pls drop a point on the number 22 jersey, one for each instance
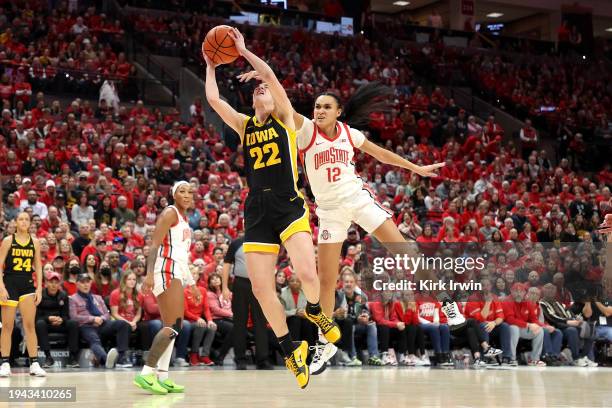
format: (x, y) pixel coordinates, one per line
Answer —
(270, 155)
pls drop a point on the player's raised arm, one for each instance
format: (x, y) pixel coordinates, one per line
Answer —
(298, 118)
(230, 116)
(389, 157)
(282, 102)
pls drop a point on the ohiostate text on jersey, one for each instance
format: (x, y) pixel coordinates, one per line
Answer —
(330, 156)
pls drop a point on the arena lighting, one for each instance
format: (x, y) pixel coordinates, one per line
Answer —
(401, 3)
(495, 15)
(609, 29)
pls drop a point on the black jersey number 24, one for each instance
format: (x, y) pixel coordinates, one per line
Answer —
(258, 153)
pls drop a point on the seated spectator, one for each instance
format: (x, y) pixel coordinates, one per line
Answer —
(197, 312)
(435, 327)
(82, 212)
(553, 337)
(390, 328)
(221, 312)
(557, 315)
(38, 208)
(52, 316)
(407, 309)
(487, 309)
(294, 301)
(126, 304)
(356, 304)
(468, 329)
(71, 271)
(523, 322)
(95, 324)
(281, 281)
(103, 283)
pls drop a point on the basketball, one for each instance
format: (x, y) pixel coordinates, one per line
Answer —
(219, 45)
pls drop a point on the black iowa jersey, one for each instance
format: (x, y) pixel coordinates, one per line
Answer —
(20, 258)
(270, 155)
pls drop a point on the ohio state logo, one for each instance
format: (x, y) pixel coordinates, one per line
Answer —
(325, 234)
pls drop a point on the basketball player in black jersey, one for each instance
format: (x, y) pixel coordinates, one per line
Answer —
(275, 211)
(19, 258)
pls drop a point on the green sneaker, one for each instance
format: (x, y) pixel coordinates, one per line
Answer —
(149, 382)
(171, 386)
(375, 361)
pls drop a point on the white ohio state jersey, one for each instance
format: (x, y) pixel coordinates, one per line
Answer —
(329, 162)
(177, 242)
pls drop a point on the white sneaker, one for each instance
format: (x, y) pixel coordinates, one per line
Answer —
(36, 370)
(111, 358)
(343, 358)
(392, 357)
(323, 352)
(591, 363)
(423, 361)
(355, 362)
(180, 362)
(402, 359)
(581, 362)
(411, 360)
(5, 370)
(386, 360)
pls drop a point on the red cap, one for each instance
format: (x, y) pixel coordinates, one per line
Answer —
(54, 275)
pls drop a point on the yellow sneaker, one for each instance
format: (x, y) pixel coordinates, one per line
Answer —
(297, 364)
(328, 327)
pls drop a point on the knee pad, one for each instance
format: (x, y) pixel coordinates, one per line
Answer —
(176, 328)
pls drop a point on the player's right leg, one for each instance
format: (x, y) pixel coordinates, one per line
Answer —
(260, 266)
(9, 310)
(171, 306)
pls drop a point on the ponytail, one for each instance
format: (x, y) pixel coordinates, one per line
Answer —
(369, 98)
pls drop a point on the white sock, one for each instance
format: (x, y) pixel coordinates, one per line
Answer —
(164, 362)
(146, 370)
(322, 338)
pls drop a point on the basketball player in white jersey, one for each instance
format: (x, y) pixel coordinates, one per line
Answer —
(167, 272)
(327, 148)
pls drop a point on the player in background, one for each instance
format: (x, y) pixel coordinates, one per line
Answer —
(167, 271)
(19, 258)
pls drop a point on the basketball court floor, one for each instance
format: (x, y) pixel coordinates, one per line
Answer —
(337, 388)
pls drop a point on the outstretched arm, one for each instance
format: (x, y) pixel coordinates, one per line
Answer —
(298, 118)
(282, 102)
(388, 157)
(230, 116)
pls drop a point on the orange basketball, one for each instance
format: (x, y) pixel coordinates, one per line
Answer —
(219, 45)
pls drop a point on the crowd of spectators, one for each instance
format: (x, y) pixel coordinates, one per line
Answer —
(95, 178)
(61, 50)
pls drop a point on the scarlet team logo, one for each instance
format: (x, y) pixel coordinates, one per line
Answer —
(325, 235)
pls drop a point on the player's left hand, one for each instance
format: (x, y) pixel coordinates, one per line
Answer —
(429, 171)
(247, 76)
(38, 296)
(238, 40)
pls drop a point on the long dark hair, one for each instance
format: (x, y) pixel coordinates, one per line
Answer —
(369, 98)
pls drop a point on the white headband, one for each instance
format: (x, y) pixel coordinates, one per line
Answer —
(177, 185)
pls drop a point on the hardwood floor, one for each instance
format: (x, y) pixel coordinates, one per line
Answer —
(337, 388)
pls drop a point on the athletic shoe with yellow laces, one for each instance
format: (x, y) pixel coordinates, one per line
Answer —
(328, 327)
(297, 364)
